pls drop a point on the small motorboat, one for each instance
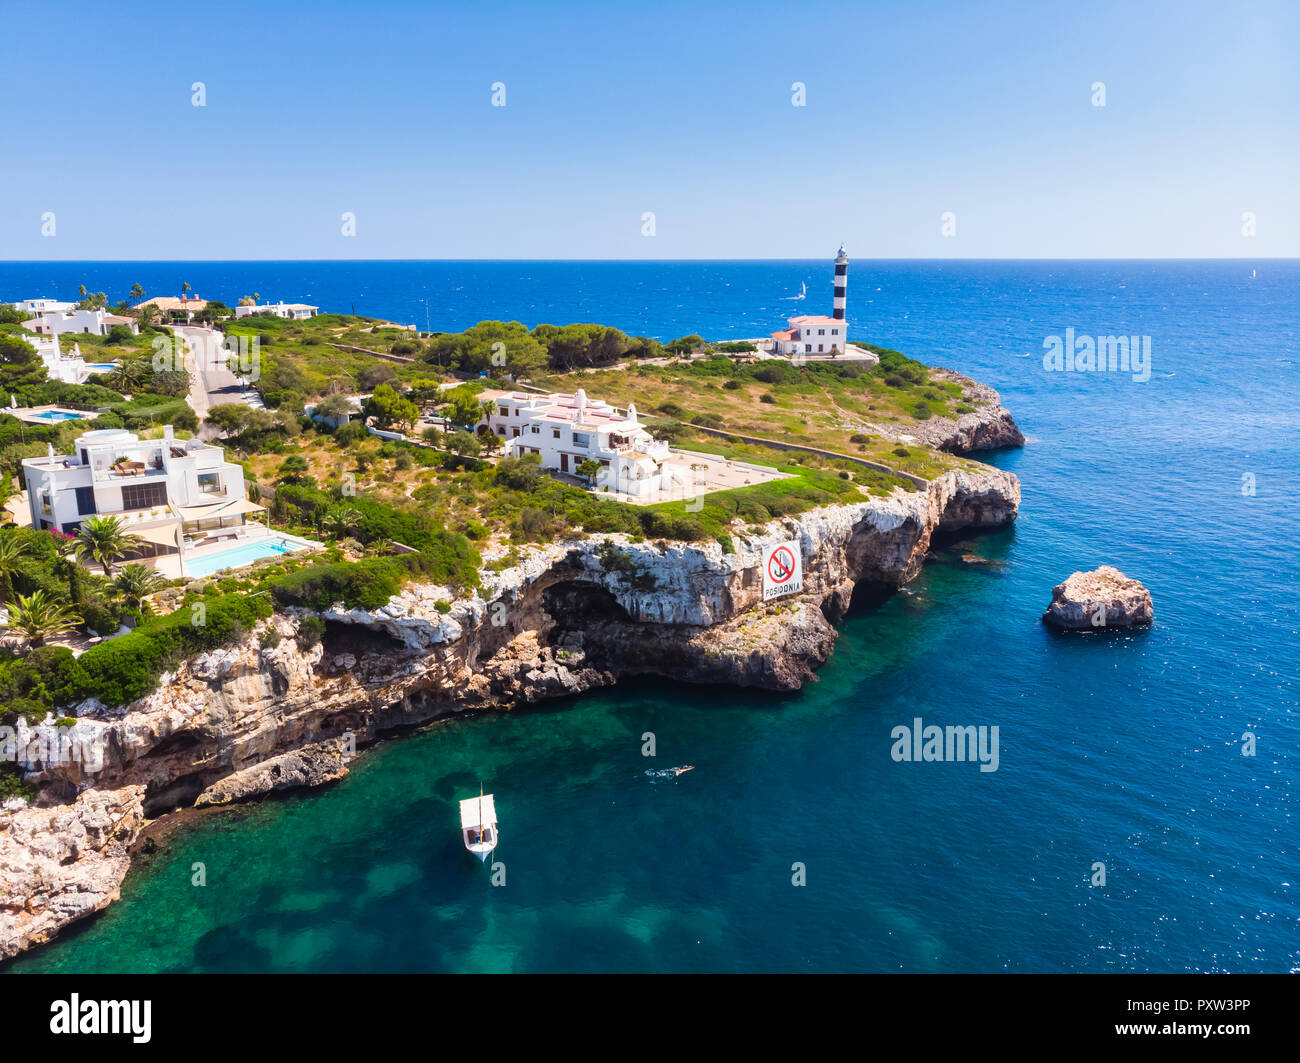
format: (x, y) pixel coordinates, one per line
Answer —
(478, 824)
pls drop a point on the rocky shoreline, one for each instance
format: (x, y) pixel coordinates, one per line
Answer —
(251, 719)
(989, 426)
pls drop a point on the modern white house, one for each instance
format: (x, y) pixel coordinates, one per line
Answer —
(37, 307)
(91, 322)
(66, 367)
(566, 430)
(296, 311)
(176, 495)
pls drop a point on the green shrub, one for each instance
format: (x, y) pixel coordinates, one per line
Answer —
(311, 629)
(128, 667)
(363, 584)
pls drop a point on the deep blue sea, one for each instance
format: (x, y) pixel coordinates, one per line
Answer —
(1124, 750)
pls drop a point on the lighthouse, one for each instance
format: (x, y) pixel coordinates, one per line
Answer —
(819, 335)
(841, 282)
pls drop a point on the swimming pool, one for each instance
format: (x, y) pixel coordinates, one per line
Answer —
(60, 415)
(244, 554)
(101, 367)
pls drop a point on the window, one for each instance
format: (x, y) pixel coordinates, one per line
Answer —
(555, 433)
(85, 500)
(581, 439)
(536, 430)
(821, 332)
(503, 411)
(143, 496)
(835, 332)
(210, 483)
(47, 504)
(807, 348)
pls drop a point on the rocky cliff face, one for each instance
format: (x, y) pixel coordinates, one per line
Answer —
(248, 719)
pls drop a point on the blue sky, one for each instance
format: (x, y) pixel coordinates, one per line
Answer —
(614, 109)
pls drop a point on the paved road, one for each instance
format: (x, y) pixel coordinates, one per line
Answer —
(211, 381)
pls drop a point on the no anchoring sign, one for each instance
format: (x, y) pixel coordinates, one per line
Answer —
(782, 570)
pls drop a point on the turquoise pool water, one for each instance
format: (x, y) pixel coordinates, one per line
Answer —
(60, 415)
(238, 556)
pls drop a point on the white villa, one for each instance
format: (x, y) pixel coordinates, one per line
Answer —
(37, 307)
(296, 311)
(176, 310)
(93, 322)
(66, 368)
(178, 496)
(566, 430)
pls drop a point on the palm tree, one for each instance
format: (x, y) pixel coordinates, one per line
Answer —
(39, 617)
(135, 583)
(137, 293)
(341, 521)
(12, 551)
(104, 540)
(147, 315)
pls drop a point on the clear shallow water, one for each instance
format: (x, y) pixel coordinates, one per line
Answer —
(1123, 749)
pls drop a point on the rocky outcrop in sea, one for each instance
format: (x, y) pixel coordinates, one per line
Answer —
(1100, 599)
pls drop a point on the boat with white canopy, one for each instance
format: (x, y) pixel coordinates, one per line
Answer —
(478, 824)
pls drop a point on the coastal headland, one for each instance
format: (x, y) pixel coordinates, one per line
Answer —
(249, 719)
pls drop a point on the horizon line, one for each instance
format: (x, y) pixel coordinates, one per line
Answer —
(626, 261)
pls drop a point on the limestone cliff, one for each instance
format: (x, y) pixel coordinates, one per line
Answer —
(249, 719)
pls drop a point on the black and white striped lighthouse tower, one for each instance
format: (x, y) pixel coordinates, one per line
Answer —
(841, 282)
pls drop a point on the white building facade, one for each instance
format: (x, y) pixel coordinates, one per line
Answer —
(811, 335)
(90, 322)
(66, 368)
(172, 493)
(37, 307)
(566, 430)
(296, 311)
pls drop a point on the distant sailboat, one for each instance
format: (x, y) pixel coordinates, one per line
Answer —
(478, 824)
(1252, 274)
(803, 291)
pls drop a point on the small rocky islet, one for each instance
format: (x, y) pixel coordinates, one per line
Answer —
(1102, 599)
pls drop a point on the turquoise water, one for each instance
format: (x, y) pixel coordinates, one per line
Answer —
(60, 415)
(244, 554)
(1119, 749)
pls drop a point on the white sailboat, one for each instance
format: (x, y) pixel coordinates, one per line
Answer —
(803, 291)
(478, 824)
